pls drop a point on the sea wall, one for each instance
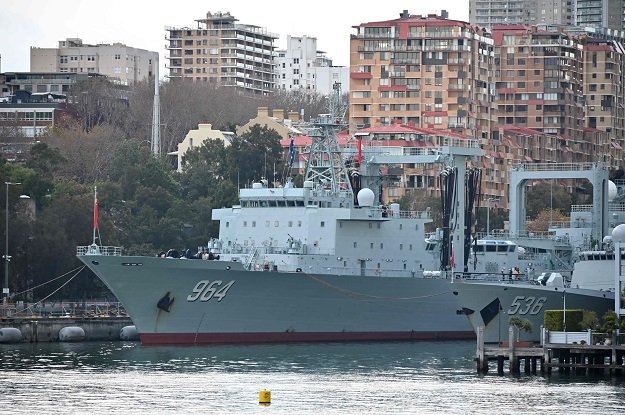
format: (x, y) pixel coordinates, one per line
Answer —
(47, 329)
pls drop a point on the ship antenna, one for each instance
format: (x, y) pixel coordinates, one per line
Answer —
(95, 213)
(325, 166)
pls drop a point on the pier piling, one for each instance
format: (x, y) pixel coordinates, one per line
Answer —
(576, 359)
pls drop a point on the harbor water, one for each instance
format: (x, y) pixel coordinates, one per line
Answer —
(399, 377)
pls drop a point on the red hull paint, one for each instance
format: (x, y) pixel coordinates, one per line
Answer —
(237, 338)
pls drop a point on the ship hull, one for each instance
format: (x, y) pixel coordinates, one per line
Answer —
(177, 301)
(491, 305)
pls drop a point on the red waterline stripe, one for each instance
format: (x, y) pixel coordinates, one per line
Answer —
(234, 338)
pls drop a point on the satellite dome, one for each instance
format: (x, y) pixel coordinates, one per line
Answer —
(365, 197)
(612, 191)
(618, 234)
(607, 239)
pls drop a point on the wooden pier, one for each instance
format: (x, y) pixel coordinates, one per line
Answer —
(575, 358)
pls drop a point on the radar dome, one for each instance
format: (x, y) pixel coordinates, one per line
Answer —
(612, 191)
(365, 197)
(618, 234)
(607, 239)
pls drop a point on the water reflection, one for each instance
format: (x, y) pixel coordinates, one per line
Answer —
(419, 377)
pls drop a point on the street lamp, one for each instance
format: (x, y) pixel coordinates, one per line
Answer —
(490, 199)
(6, 256)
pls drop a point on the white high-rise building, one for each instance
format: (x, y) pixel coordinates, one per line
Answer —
(302, 66)
(122, 63)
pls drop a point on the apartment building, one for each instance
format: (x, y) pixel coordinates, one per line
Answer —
(222, 51)
(539, 81)
(604, 87)
(425, 70)
(489, 13)
(302, 66)
(40, 82)
(123, 64)
(600, 13)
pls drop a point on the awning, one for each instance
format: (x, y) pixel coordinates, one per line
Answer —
(528, 158)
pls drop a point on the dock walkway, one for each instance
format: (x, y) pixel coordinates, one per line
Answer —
(580, 359)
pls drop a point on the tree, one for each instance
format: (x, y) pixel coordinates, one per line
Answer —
(98, 101)
(254, 155)
(44, 159)
(546, 195)
(310, 103)
(543, 220)
(88, 155)
(418, 200)
(520, 324)
(610, 322)
(589, 320)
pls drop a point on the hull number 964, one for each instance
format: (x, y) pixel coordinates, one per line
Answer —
(205, 290)
(524, 305)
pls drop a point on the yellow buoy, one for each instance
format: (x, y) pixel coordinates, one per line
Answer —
(264, 397)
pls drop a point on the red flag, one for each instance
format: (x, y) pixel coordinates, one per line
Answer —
(451, 261)
(95, 214)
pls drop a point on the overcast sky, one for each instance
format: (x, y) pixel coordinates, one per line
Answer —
(140, 24)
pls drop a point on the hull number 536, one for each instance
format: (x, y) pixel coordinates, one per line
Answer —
(524, 305)
(205, 290)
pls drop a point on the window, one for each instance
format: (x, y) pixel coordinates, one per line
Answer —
(118, 57)
(322, 224)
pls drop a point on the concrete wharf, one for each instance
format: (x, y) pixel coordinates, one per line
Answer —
(579, 358)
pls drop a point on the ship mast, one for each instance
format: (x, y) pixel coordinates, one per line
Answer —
(325, 166)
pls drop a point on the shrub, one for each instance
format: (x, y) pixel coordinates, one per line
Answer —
(554, 320)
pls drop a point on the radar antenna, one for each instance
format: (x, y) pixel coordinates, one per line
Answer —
(325, 166)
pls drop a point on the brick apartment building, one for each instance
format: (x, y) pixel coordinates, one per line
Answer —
(426, 70)
(529, 94)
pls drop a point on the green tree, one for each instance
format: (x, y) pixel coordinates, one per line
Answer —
(44, 159)
(520, 324)
(418, 200)
(610, 322)
(546, 195)
(253, 155)
(589, 320)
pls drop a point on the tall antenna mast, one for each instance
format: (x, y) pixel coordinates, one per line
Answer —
(325, 163)
(156, 115)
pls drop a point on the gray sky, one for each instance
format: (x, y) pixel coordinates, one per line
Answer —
(140, 24)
